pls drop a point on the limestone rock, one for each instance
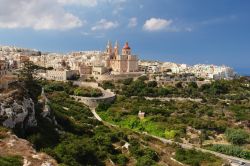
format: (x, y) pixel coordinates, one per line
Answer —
(17, 112)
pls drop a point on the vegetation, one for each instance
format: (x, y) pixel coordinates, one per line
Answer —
(221, 89)
(27, 77)
(3, 132)
(231, 150)
(77, 138)
(196, 158)
(51, 86)
(224, 109)
(237, 136)
(11, 161)
(120, 159)
(82, 140)
(71, 89)
(164, 119)
(107, 85)
(144, 156)
(87, 92)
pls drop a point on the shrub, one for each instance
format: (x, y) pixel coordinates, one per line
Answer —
(195, 158)
(237, 136)
(170, 134)
(120, 159)
(231, 150)
(152, 84)
(145, 161)
(127, 81)
(53, 87)
(108, 85)
(143, 78)
(87, 92)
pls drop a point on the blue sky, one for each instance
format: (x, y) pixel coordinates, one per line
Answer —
(183, 31)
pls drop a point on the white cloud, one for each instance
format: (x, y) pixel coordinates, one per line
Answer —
(91, 3)
(85, 33)
(104, 24)
(156, 24)
(117, 10)
(132, 22)
(219, 20)
(188, 29)
(88, 3)
(36, 14)
(116, 1)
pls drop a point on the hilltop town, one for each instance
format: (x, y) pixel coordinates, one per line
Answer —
(112, 108)
(112, 63)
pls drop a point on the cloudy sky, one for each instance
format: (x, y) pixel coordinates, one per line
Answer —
(184, 31)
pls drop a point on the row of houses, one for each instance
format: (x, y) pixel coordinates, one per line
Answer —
(213, 72)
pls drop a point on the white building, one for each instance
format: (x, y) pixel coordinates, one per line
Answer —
(61, 75)
(99, 70)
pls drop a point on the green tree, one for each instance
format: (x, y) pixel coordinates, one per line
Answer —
(28, 72)
(27, 76)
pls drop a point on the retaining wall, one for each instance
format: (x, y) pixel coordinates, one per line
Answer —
(107, 97)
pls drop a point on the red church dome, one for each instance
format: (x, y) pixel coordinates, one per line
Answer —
(126, 46)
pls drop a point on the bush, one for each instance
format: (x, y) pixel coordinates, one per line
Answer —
(152, 84)
(127, 81)
(237, 136)
(143, 78)
(87, 92)
(170, 134)
(231, 150)
(108, 85)
(145, 161)
(103, 107)
(195, 158)
(120, 159)
(76, 152)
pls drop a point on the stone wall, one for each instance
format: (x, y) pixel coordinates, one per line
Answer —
(108, 95)
(114, 76)
(86, 84)
(94, 101)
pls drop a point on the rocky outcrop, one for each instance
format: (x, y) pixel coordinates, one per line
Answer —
(46, 111)
(11, 145)
(16, 112)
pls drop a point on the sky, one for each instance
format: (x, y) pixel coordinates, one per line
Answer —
(181, 31)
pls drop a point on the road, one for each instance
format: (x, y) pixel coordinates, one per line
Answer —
(235, 161)
(173, 98)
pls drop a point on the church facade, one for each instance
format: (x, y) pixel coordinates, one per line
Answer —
(121, 63)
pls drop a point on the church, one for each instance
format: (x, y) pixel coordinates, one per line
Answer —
(121, 63)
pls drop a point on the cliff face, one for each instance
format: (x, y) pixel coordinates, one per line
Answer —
(12, 145)
(46, 111)
(17, 112)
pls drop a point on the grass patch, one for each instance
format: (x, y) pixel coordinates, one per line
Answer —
(11, 161)
(197, 158)
(231, 150)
